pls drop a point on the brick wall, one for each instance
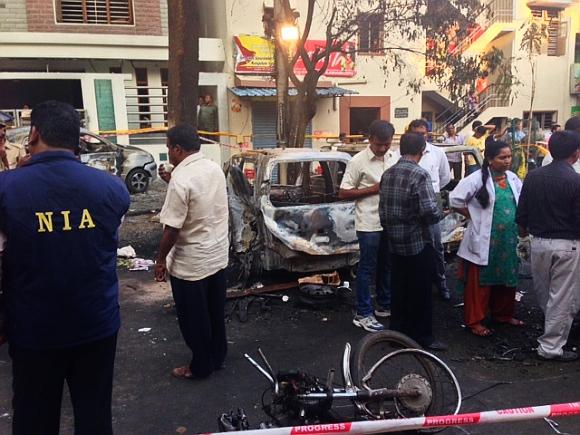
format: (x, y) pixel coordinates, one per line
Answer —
(147, 20)
(163, 6)
(13, 16)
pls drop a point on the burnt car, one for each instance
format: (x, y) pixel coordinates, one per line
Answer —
(135, 166)
(285, 212)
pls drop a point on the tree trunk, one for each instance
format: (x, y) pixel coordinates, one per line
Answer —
(183, 25)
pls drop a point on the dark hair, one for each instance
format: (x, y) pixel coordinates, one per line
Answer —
(381, 130)
(185, 136)
(57, 123)
(563, 144)
(475, 124)
(412, 144)
(417, 123)
(573, 124)
(492, 150)
(480, 130)
(555, 127)
(449, 124)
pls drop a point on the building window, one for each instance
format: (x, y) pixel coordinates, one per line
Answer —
(552, 18)
(577, 49)
(545, 119)
(370, 33)
(94, 11)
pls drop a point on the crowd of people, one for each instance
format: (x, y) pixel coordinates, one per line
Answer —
(398, 207)
(59, 310)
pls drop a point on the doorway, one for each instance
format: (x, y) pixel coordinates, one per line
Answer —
(361, 118)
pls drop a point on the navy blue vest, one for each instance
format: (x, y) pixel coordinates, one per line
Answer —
(61, 220)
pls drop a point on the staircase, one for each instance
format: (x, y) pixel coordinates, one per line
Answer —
(462, 117)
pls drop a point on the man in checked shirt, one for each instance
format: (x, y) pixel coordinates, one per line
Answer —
(408, 209)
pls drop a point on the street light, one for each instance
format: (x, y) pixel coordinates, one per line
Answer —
(289, 33)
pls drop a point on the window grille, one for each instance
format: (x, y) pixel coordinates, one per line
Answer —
(95, 11)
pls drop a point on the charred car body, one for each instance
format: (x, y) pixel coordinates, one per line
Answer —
(285, 212)
(135, 166)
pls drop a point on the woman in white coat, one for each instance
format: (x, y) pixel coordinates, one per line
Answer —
(489, 272)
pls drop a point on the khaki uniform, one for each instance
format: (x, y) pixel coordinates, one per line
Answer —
(14, 152)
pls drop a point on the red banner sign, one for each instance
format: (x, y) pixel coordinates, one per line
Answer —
(255, 56)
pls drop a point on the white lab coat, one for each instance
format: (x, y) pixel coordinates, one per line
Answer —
(475, 244)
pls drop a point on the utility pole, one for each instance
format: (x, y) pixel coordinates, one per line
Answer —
(183, 26)
(280, 17)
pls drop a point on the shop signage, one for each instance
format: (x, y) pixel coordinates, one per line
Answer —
(255, 55)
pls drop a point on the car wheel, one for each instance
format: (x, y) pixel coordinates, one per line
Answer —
(137, 181)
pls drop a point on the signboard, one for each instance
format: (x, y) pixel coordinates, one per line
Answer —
(575, 79)
(340, 64)
(255, 55)
(401, 112)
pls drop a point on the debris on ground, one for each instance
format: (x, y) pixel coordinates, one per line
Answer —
(331, 279)
(126, 252)
(144, 330)
(259, 289)
(141, 264)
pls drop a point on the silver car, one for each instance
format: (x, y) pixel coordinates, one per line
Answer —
(134, 165)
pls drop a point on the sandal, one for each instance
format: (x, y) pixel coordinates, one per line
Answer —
(182, 372)
(480, 331)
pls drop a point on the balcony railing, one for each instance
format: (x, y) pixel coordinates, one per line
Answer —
(499, 11)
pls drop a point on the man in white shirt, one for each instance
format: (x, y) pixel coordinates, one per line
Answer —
(194, 250)
(361, 184)
(434, 161)
(455, 159)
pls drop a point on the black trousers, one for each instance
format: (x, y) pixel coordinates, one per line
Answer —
(38, 382)
(411, 301)
(200, 312)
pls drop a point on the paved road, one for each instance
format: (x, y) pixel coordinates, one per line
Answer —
(149, 401)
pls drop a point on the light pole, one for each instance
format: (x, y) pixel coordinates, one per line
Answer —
(286, 36)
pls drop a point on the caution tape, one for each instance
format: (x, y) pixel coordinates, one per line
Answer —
(395, 425)
(214, 133)
(159, 130)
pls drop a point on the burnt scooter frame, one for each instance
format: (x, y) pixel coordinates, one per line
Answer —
(316, 403)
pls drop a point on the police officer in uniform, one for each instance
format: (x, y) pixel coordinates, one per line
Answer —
(61, 220)
(14, 152)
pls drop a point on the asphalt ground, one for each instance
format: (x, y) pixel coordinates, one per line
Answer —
(148, 400)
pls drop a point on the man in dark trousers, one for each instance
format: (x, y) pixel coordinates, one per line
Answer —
(194, 250)
(408, 209)
(61, 220)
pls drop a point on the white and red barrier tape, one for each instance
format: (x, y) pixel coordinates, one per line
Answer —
(377, 426)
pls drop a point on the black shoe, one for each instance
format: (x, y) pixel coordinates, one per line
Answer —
(566, 356)
(445, 294)
(436, 346)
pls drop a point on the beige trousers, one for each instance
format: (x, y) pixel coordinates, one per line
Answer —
(556, 274)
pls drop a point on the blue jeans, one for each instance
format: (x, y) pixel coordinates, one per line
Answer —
(374, 266)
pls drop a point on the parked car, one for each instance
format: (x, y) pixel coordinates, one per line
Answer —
(285, 212)
(135, 166)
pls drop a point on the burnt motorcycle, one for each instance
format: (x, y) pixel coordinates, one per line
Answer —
(387, 376)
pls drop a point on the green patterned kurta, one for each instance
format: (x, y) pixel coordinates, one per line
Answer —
(502, 267)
